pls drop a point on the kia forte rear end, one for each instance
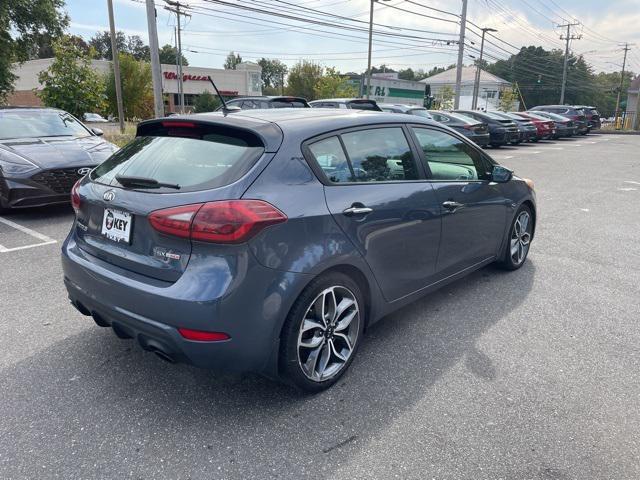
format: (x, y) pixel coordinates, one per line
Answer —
(159, 252)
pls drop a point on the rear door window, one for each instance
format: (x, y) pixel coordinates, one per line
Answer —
(372, 155)
(190, 159)
(380, 155)
(449, 158)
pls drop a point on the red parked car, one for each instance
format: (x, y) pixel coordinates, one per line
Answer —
(546, 128)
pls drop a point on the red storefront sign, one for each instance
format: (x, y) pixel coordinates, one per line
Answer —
(198, 78)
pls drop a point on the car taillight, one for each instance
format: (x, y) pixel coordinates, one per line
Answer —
(202, 336)
(75, 196)
(228, 221)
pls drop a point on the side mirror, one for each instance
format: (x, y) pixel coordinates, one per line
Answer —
(501, 174)
(97, 131)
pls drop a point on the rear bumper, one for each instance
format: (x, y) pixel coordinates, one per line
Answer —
(250, 309)
(481, 139)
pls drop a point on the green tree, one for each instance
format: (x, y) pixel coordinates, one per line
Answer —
(508, 100)
(133, 45)
(137, 88)
(333, 85)
(169, 54)
(273, 73)
(232, 60)
(21, 23)
(303, 78)
(70, 83)
(407, 74)
(206, 102)
(445, 97)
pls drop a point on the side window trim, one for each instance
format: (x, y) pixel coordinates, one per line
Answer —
(313, 164)
(423, 157)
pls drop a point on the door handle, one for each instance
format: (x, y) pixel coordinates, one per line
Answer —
(452, 206)
(357, 210)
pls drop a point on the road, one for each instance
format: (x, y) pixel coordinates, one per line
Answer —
(532, 374)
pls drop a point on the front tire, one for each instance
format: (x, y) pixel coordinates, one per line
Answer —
(322, 332)
(520, 233)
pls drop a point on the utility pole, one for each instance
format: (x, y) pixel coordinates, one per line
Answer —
(370, 44)
(568, 38)
(624, 64)
(156, 73)
(476, 83)
(116, 66)
(463, 26)
(176, 10)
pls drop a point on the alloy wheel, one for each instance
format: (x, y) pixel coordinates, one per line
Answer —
(328, 333)
(520, 238)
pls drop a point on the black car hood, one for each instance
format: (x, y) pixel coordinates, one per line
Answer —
(60, 152)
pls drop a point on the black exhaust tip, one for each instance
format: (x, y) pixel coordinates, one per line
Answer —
(163, 355)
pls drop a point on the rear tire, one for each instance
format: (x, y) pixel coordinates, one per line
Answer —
(518, 242)
(322, 332)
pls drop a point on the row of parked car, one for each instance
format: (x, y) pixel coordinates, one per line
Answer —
(485, 128)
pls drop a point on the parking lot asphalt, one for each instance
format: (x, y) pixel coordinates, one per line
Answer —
(533, 374)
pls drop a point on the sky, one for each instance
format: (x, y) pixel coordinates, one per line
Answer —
(402, 39)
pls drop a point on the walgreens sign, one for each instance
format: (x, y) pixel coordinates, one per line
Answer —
(185, 77)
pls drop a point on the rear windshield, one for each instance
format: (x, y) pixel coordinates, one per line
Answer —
(359, 105)
(285, 104)
(39, 123)
(208, 159)
(420, 112)
(494, 115)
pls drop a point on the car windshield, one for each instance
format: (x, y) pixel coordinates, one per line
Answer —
(33, 123)
(420, 112)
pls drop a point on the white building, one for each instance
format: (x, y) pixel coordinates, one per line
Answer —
(245, 80)
(488, 94)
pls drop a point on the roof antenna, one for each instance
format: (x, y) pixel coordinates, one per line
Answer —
(225, 108)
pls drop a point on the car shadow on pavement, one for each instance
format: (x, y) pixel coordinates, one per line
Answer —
(107, 409)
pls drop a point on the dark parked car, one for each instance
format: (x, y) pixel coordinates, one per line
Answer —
(593, 117)
(546, 128)
(252, 103)
(526, 129)
(469, 127)
(352, 103)
(501, 130)
(407, 109)
(43, 152)
(269, 240)
(578, 116)
(565, 127)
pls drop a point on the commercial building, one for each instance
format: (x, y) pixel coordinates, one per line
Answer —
(489, 92)
(388, 88)
(244, 80)
(632, 115)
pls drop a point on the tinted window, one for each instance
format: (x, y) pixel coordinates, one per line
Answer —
(248, 105)
(364, 106)
(440, 118)
(207, 161)
(380, 155)
(33, 123)
(449, 158)
(420, 112)
(332, 160)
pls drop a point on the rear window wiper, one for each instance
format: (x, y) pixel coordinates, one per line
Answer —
(143, 182)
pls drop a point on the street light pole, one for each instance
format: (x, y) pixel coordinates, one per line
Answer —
(156, 73)
(370, 43)
(476, 83)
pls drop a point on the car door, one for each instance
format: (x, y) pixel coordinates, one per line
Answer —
(377, 193)
(474, 210)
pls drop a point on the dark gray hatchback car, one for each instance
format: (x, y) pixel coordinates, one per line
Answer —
(269, 240)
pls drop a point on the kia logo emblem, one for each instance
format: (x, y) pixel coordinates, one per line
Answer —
(109, 196)
(84, 170)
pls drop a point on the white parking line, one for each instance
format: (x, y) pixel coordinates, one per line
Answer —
(554, 148)
(632, 182)
(45, 240)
